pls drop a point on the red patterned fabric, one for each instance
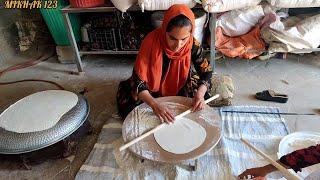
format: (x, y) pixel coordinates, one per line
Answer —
(302, 158)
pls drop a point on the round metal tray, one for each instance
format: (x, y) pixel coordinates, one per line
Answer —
(136, 124)
(17, 143)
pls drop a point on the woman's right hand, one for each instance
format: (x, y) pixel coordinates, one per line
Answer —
(258, 173)
(253, 173)
(163, 113)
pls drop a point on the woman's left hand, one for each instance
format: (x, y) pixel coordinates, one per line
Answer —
(198, 100)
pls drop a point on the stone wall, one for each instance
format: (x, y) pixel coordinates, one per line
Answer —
(8, 35)
(31, 34)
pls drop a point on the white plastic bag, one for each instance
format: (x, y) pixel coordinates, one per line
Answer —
(200, 21)
(301, 35)
(215, 6)
(239, 22)
(294, 3)
(153, 5)
(123, 5)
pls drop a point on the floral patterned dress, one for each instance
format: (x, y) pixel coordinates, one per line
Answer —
(200, 73)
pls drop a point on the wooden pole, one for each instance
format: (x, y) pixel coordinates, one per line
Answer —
(286, 173)
(132, 142)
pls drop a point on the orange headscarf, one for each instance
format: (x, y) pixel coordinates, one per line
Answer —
(148, 65)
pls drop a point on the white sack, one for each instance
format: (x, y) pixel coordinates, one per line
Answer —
(123, 5)
(239, 22)
(153, 5)
(294, 3)
(200, 21)
(215, 6)
(296, 36)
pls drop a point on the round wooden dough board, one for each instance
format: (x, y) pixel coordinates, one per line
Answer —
(137, 124)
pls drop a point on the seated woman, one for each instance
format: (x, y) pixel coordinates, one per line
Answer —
(165, 67)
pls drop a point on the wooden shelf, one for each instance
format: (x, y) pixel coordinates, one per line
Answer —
(69, 9)
(107, 52)
(115, 52)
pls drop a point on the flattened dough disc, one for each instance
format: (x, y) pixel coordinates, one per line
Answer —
(181, 137)
(37, 112)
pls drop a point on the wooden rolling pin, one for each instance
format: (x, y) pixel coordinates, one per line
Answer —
(286, 173)
(132, 142)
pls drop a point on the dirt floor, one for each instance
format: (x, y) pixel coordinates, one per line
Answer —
(297, 76)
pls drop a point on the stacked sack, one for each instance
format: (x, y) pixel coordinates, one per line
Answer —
(238, 33)
(212, 6)
(216, 6)
(150, 5)
(123, 5)
(294, 34)
(246, 26)
(153, 5)
(246, 32)
(294, 3)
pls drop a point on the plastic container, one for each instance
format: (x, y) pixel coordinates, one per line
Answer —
(157, 18)
(86, 3)
(55, 22)
(130, 40)
(133, 30)
(102, 39)
(296, 141)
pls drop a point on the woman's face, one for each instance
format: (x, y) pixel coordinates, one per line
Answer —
(178, 37)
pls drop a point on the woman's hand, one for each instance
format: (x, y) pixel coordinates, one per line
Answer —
(163, 113)
(257, 173)
(198, 100)
(253, 173)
